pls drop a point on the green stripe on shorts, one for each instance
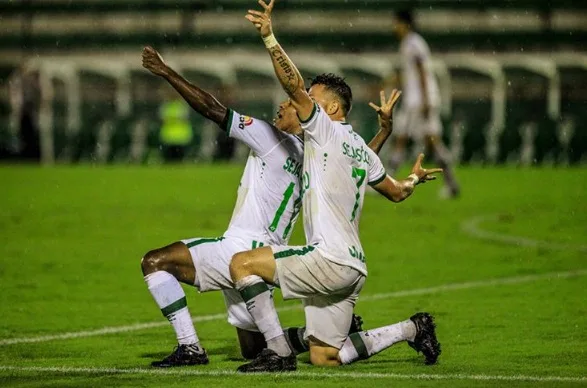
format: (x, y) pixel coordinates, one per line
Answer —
(203, 240)
(175, 306)
(291, 252)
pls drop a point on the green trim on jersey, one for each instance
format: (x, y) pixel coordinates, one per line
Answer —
(250, 292)
(377, 181)
(291, 252)
(359, 346)
(175, 306)
(311, 115)
(229, 122)
(203, 241)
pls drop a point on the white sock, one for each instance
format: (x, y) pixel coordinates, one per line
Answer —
(260, 305)
(360, 346)
(170, 298)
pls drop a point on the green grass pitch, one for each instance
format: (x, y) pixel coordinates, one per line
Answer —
(504, 270)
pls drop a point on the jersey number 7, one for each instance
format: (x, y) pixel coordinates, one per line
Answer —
(358, 173)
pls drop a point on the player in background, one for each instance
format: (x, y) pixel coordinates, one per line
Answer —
(267, 207)
(419, 116)
(329, 272)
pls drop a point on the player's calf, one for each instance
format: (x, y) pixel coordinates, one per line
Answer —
(163, 269)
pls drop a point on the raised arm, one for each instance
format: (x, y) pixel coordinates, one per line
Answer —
(200, 100)
(385, 117)
(287, 73)
(397, 191)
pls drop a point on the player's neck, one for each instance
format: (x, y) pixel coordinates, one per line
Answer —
(405, 34)
(337, 117)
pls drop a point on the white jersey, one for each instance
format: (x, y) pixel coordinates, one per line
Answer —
(413, 49)
(338, 165)
(269, 197)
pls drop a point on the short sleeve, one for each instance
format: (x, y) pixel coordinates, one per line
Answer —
(376, 170)
(318, 127)
(260, 136)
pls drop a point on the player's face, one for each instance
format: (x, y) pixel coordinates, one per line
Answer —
(287, 119)
(399, 28)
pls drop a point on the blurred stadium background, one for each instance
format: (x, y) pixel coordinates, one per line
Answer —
(513, 74)
(502, 268)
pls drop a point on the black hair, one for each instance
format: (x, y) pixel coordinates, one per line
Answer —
(338, 86)
(406, 16)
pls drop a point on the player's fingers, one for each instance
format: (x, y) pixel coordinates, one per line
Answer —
(391, 96)
(253, 19)
(420, 158)
(256, 13)
(382, 97)
(263, 4)
(434, 171)
(394, 97)
(377, 108)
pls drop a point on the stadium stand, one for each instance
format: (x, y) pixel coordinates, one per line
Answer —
(513, 73)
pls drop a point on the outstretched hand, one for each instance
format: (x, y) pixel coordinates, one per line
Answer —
(262, 20)
(153, 62)
(423, 174)
(385, 111)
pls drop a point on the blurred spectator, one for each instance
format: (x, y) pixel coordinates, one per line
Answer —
(25, 101)
(176, 131)
(419, 118)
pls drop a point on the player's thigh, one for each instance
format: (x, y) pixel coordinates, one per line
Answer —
(211, 259)
(430, 127)
(328, 317)
(174, 258)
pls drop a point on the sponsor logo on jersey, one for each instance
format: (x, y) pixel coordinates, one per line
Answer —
(244, 121)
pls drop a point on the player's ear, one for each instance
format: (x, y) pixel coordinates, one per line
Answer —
(332, 107)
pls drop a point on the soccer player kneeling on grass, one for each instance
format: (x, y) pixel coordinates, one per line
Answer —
(269, 200)
(329, 272)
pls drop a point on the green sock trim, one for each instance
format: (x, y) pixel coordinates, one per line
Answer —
(175, 306)
(359, 346)
(250, 292)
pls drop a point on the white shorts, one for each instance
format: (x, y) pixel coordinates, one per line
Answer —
(328, 290)
(211, 257)
(410, 122)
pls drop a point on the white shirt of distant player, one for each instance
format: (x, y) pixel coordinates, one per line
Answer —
(338, 165)
(268, 199)
(413, 48)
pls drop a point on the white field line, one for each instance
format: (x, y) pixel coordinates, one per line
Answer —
(365, 298)
(473, 228)
(292, 375)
